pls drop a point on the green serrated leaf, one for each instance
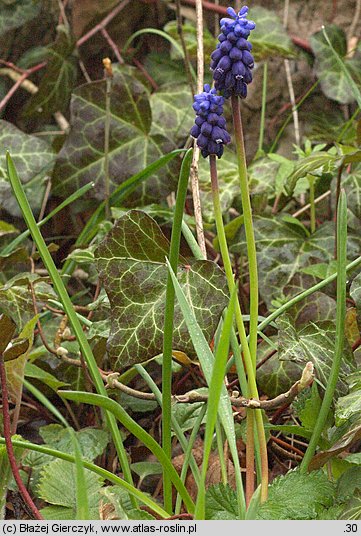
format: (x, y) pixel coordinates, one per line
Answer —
(17, 13)
(58, 79)
(334, 82)
(131, 146)
(92, 441)
(57, 486)
(131, 263)
(297, 496)
(309, 412)
(221, 503)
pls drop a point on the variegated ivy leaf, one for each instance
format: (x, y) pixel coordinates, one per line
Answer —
(132, 145)
(131, 264)
(284, 247)
(334, 82)
(314, 343)
(17, 13)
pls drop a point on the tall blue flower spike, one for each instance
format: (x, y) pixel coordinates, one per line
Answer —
(210, 125)
(232, 60)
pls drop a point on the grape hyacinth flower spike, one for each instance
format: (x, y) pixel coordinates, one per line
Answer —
(232, 60)
(210, 125)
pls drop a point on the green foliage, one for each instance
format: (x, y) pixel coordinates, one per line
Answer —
(269, 38)
(33, 157)
(334, 82)
(221, 503)
(135, 139)
(92, 441)
(57, 487)
(131, 263)
(279, 264)
(314, 343)
(296, 496)
(58, 80)
(17, 13)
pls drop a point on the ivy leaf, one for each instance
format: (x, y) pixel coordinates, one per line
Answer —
(187, 414)
(131, 145)
(284, 249)
(171, 112)
(350, 405)
(334, 81)
(58, 80)
(33, 159)
(297, 496)
(276, 376)
(57, 486)
(131, 263)
(269, 38)
(17, 14)
(317, 163)
(221, 503)
(355, 292)
(314, 343)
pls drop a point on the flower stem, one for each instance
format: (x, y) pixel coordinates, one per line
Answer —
(250, 369)
(248, 225)
(340, 332)
(168, 327)
(311, 181)
(263, 110)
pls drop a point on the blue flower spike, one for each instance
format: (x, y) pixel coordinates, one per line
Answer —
(210, 125)
(232, 60)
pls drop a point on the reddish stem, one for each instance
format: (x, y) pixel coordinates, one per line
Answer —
(9, 446)
(18, 83)
(102, 24)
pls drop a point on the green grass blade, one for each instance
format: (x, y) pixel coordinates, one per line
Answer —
(119, 194)
(82, 502)
(169, 324)
(74, 197)
(69, 309)
(134, 428)
(215, 391)
(206, 360)
(45, 402)
(176, 427)
(340, 331)
(106, 475)
(166, 36)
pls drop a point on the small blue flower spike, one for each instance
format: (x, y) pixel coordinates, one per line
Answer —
(232, 60)
(210, 125)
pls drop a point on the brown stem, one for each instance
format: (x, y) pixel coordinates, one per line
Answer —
(184, 47)
(18, 83)
(9, 446)
(102, 24)
(250, 476)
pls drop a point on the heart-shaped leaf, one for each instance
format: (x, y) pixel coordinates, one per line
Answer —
(132, 147)
(131, 263)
